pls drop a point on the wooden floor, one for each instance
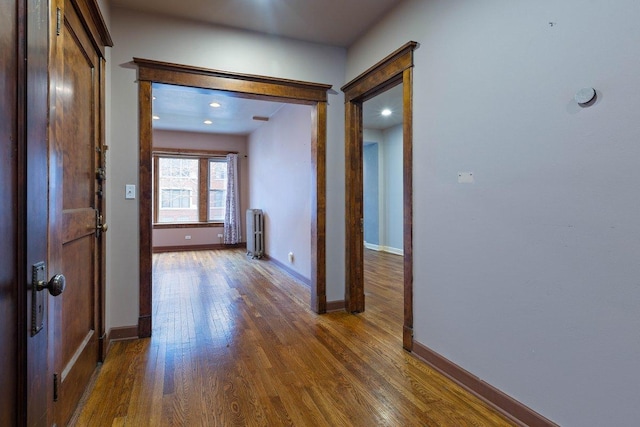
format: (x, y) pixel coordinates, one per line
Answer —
(234, 343)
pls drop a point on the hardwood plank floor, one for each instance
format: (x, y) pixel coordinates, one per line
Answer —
(235, 344)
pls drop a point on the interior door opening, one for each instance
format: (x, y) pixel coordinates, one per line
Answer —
(395, 69)
(215, 156)
(247, 86)
(383, 203)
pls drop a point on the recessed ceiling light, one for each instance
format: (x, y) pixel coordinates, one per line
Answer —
(154, 97)
(386, 112)
(156, 117)
(208, 122)
(214, 104)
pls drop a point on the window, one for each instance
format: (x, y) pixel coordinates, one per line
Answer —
(178, 189)
(175, 198)
(178, 168)
(217, 189)
(189, 187)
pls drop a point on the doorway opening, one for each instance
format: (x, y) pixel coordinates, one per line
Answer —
(245, 86)
(392, 71)
(383, 205)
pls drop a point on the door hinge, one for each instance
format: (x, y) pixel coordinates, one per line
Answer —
(55, 387)
(58, 21)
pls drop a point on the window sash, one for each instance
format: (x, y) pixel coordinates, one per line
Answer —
(217, 189)
(177, 198)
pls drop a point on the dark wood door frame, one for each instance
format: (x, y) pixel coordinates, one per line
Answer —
(393, 70)
(247, 86)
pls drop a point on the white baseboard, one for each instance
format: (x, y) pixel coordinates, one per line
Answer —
(388, 249)
(395, 251)
(372, 246)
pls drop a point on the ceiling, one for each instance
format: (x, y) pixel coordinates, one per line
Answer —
(186, 109)
(372, 117)
(183, 108)
(332, 22)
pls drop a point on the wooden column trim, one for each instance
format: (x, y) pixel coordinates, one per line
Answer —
(354, 244)
(146, 221)
(318, 207)
(407, 167)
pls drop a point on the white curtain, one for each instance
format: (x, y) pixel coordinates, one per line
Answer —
(232, 225)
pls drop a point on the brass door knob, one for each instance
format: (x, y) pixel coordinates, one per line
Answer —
(55, 286)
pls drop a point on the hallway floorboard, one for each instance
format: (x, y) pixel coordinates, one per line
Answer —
(234, 343)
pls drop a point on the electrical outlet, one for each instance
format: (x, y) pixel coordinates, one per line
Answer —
(187, 237)
(220, 236)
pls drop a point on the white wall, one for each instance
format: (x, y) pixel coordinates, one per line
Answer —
(528, 278)
(202, 141)
(390, 195)
(371, 194)
(393, 200)
(375, 135)
(164, 39)
(280, 185)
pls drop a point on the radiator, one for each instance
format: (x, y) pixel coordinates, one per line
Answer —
(255, 233)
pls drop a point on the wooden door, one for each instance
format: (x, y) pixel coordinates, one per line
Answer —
(76, 193)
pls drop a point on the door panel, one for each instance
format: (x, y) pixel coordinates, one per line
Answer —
(75, 348)
(76, 306)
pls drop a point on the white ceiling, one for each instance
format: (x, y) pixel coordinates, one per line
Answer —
(372, 109)
(333, 22)
(186, 108)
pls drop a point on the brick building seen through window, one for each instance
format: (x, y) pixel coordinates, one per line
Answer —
(179, 191)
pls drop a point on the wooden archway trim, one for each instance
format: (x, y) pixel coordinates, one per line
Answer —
(395, 69)
(382, 76)
(247, 86)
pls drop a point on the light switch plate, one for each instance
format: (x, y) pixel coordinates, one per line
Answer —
(130, 191)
